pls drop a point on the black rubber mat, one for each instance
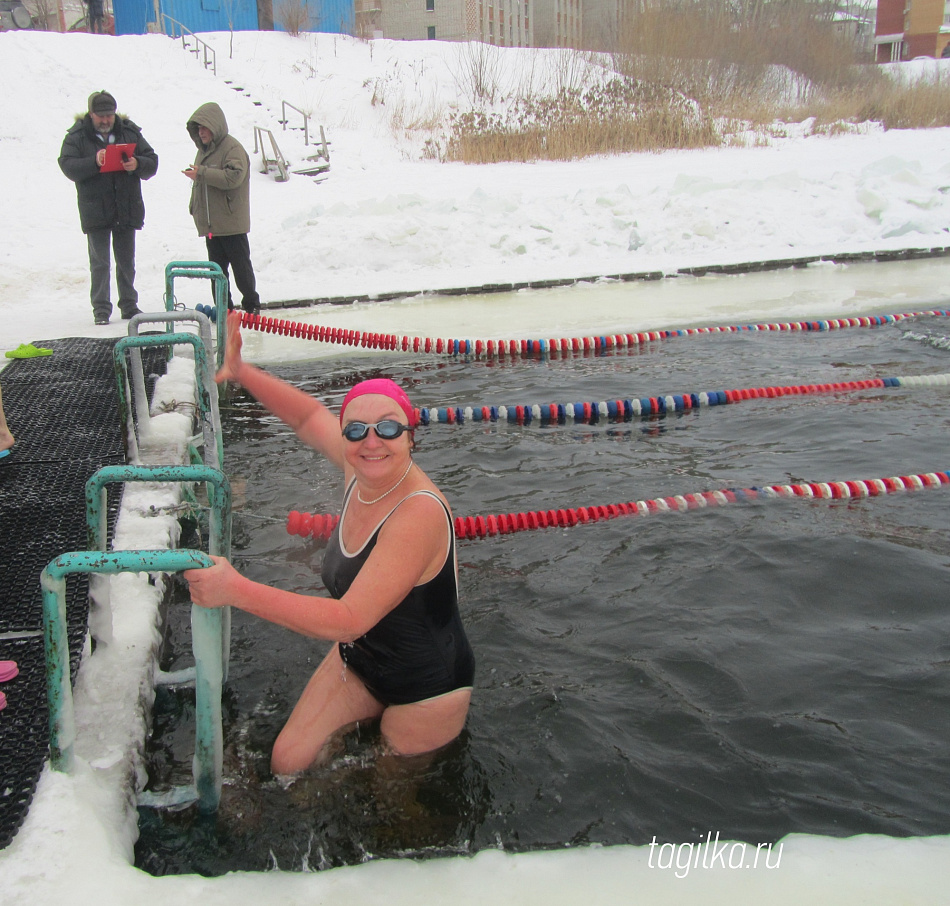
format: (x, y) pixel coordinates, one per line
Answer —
(42, 517)
(63, 411)
(24, 730)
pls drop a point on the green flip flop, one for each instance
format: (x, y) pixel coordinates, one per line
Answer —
(27, 351)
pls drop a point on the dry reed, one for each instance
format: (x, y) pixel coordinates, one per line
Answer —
(294, 16)
(693, 73)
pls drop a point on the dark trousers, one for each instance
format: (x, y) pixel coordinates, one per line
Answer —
(235, 252)
(94, 8)
(100, 270)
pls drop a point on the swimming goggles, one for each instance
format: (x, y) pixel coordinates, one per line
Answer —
(388, 429)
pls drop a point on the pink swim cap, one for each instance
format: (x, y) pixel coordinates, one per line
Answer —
(381, 387)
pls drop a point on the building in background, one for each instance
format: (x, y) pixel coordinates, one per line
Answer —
(590, 24)
(911, 28)
(582, 24)
(602, 23)
(855, 19)
(507, 23)
(63, 15)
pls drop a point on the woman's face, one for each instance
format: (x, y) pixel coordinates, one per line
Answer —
(373, 456)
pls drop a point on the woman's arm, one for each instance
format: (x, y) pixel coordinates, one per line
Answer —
(309, 419)
(222, 585)
(412, 547)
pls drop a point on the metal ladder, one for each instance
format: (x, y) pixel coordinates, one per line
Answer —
(201, 270)
(210, 628)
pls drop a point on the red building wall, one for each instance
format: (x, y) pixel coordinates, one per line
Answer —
(890, 17)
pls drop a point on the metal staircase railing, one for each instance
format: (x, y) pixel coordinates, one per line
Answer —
(174, 29)
(269, 162)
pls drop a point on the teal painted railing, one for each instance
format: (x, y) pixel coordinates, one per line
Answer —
(206, 390)
(210, 628)
(202, 270)
(219, 540)
(59, 687)
(203, 377)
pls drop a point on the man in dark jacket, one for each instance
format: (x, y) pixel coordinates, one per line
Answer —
(111, 208)
(221, 199)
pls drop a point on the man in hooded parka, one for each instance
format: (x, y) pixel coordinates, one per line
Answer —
(221, 200)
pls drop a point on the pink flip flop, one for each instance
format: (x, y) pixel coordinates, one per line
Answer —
(8, 670)
(3, 701)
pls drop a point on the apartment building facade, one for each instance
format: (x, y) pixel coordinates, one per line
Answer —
(505, 23)
(906, 29)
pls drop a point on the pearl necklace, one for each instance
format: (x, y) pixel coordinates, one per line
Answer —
(359, 496)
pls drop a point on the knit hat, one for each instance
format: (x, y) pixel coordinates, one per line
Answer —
(101, 103)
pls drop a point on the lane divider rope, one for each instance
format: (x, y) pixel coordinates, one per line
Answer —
(534, 347)
(644, 407)
(321, 526)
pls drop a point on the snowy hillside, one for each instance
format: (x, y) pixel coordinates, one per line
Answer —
(386, 220)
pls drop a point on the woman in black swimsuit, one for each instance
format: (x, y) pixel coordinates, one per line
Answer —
(390, 566)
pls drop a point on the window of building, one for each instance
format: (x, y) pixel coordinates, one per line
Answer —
(431, 32)
(430, 6)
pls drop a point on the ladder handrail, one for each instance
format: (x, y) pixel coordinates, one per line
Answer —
(202, 270)
(219, 540)
(210, 628)
(53, 581)
(207, 389)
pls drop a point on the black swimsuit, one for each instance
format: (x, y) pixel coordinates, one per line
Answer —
(419, 649)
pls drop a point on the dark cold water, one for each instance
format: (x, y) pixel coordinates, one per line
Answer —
(754, 670)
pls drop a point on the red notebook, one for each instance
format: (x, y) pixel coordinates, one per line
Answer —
(114, 156)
